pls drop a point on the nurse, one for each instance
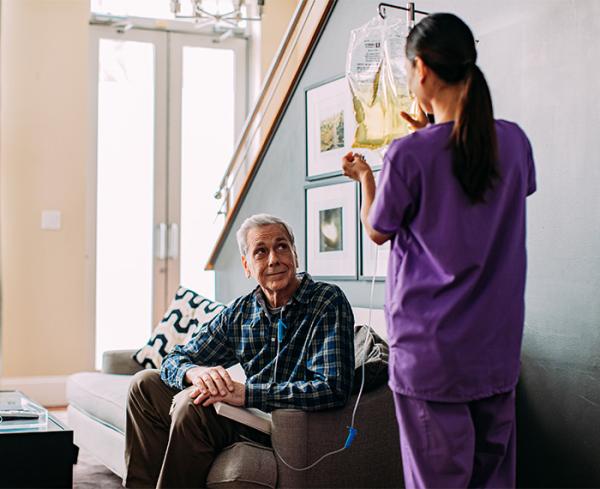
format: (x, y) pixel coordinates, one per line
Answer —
(451, 198)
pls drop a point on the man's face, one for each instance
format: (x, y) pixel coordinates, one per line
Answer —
(270, 258)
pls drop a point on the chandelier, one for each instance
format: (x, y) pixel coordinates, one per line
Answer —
(223, 14)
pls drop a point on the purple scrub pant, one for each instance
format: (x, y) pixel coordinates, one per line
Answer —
(452, 445)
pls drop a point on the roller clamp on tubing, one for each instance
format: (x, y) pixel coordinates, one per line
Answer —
(351, 435)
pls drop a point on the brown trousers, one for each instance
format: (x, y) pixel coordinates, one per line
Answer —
(171, 442)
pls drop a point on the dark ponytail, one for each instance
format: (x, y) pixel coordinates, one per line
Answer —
(446, 45)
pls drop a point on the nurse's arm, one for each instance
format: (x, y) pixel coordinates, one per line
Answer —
(355, 167)
(367, 181)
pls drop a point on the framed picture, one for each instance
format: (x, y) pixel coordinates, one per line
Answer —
(330, 127)
(368, 251)
(331, 231)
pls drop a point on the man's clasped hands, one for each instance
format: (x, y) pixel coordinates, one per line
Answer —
(214, 384)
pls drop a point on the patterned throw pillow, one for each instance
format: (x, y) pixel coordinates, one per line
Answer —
(187, 312)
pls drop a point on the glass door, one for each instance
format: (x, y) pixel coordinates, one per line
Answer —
(170, 107)
(129, 209)
(207, 110)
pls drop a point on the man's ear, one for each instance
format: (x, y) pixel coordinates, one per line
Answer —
(246, 267)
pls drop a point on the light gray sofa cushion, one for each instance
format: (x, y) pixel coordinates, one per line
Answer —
(373, 460)
(120, 362)
(243, 465)
(103, 396)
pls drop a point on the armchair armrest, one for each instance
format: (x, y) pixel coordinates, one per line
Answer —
(120, 362)
(373, 460)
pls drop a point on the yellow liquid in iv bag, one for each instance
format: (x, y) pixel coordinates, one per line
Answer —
(370, 130)
(369, 111)
(398, 127)
(378, 116)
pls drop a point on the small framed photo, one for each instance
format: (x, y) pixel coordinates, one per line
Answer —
(330, 127)
(369, 253)
(331, 231)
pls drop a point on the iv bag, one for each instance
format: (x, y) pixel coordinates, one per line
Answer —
(364, 65)
(396, 84)
(377, 78)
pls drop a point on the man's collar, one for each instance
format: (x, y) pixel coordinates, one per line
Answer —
(302, 293)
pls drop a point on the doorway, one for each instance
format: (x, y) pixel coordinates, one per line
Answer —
(169, 107)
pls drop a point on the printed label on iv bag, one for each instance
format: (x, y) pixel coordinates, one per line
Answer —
(369, 59)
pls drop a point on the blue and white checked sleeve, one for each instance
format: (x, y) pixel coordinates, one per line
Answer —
(330, 366)
(208, 347)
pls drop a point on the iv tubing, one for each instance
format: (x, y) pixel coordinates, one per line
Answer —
(352, 430)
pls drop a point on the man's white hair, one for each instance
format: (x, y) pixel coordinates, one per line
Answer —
(261, 220)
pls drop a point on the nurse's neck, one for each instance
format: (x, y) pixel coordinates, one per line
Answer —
(446, 103)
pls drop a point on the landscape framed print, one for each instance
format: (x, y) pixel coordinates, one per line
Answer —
(330, 127)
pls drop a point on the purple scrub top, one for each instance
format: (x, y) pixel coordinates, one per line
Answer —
(456, 276)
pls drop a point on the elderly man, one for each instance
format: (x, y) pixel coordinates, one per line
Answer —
(171, 442)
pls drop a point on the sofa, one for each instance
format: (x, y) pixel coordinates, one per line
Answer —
(96, 412)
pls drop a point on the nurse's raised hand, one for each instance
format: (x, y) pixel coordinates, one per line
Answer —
(419, 121)
(355, 166)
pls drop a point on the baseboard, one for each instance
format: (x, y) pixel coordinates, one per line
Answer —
(48, 391)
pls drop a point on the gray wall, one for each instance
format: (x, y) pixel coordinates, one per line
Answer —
(541, 59)
(279, 185)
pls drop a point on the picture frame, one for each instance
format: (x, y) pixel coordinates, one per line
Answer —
(331, 237)
(330, 127)
(368, 251)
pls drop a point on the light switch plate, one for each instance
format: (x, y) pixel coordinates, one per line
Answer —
(51, 220)
(10, 400)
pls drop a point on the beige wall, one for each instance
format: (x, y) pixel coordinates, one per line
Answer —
(44, 148)
(276, 18)
(44, 141)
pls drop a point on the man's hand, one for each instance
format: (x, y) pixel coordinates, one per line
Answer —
(212, 380)
(235, 397)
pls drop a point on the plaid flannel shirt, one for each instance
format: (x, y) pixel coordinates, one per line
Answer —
(315, 368)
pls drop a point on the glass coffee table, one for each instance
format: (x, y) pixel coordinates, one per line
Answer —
(35, 452)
